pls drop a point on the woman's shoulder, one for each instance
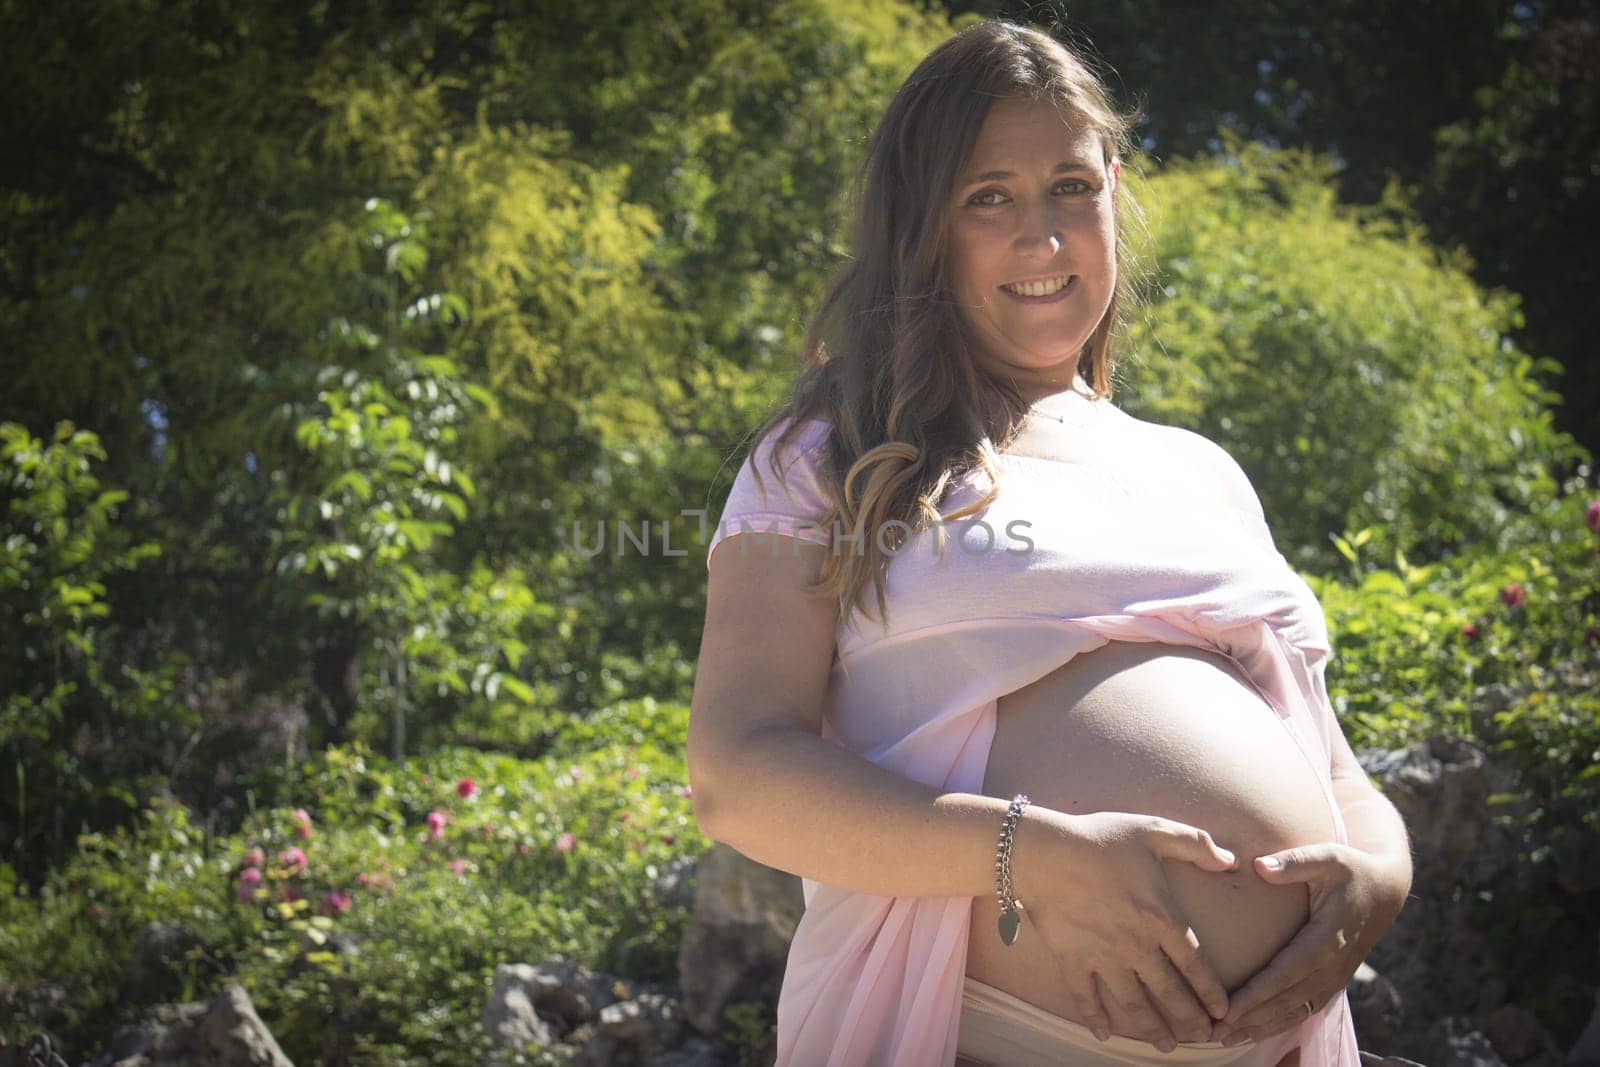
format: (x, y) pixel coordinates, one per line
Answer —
(805, 444)
(1200, 456)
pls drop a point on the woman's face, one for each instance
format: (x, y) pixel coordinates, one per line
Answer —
(1033, 221)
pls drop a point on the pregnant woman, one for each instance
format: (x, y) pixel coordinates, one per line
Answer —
(1016, 683)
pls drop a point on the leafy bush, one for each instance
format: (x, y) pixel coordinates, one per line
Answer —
(60, 682)
(1357, 374)
(1503, 647)
(438, 871)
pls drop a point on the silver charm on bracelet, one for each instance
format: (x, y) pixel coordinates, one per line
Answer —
(1010, 922)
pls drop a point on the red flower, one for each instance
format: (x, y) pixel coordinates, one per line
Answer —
(1590, 637)
(1470, 631)
(335, 902)
(1512, 595)
(1592, 516)
(255, 858)
(293, 857)
(291, 893)
(96, 911)
(466, 787)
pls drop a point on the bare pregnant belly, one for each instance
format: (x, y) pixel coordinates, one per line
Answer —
(1161, 730)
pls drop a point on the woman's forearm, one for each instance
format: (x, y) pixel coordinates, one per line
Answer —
(1374, 826)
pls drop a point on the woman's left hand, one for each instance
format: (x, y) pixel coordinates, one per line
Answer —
(1355, 897)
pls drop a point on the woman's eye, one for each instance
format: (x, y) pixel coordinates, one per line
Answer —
(979, 200)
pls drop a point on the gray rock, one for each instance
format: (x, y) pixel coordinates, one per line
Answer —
(1458, 1043)
(632, 1033)
(737, 941)
(1376, 1008)
(1441, 787)
(223, 1032)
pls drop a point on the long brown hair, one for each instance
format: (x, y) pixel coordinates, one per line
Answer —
(887, 358)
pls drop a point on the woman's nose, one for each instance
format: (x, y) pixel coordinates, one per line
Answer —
(1043, 241)
(1040, 231)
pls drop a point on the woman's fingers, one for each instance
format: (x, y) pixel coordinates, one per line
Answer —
(1132, 1010)
(1183, 953)
(1180, 841)
(1085, 994)
(1173, 997)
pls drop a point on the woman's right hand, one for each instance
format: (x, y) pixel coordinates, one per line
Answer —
(1101, 902)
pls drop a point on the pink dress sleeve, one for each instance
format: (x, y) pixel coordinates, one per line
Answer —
(794, 507)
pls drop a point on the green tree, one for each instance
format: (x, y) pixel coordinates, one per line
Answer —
(1361, 378)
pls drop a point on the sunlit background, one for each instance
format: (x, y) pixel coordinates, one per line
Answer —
(333, 333)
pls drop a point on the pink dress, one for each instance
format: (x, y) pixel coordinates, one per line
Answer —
(1068, 558)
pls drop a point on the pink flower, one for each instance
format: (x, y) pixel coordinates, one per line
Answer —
(1470, 631)
(362, 879)
(670, 839)
(686, 792)
(249, 878)
(291, 893)
(466, 787)
(335, 902)
(522, 848)
(631, 773)
(1592, 516)
(302, 820)
(96, 912)
(458, 867)
(293, 857)
(1512, 595)
(487, 830)
(564, 843)
(255, 858)
(436, 821)
(575, 771)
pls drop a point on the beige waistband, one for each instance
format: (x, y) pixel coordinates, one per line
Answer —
(1001, 1030)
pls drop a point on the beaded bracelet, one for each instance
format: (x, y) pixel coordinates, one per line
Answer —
(1009, 922)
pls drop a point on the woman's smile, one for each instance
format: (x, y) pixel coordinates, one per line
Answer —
(1053, 298)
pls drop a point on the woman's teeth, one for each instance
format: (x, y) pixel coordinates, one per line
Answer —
(1039, 288)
